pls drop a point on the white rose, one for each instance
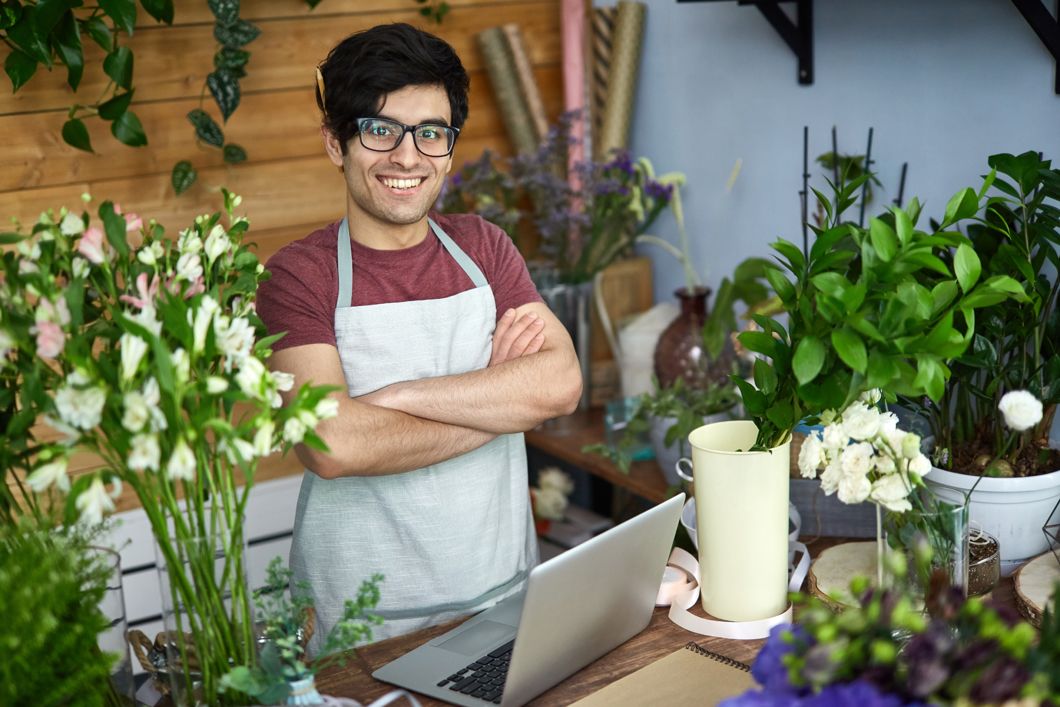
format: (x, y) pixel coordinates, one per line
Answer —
(892, 493)
(94, 501)
(47, 475)
(136, 411)
(835, 439)
(1021, 410)
(133, 349)
(552, 478)
(810, 456)
(856, 460)
(919, 465)
(885, 464)
(860, 422)
(144, 453)
(549, 503)
(181, 464)
(911, 446)
(854, 489)
(888, 422)
(830, 477)
(294, 431)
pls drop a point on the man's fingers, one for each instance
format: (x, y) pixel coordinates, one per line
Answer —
(514, 338)
(524, 336)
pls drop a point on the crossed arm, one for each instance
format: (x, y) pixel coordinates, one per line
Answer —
(532, 376)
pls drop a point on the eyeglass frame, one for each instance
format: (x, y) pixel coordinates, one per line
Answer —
(405, 129)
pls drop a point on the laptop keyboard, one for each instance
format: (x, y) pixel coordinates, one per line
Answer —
(484, 678)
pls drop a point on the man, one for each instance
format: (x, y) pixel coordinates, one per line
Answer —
(440, 340)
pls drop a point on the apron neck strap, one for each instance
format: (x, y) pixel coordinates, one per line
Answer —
(345, 261)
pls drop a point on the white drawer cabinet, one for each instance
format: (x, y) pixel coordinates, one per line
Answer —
(268, 526)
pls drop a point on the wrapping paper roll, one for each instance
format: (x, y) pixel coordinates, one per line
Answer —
(572, 27)
(603, 28)
(504, 78)
(527, 83)
(622, 79)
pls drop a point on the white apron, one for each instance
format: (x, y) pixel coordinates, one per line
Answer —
(452, 538)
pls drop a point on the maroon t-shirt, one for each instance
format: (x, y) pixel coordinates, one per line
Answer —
(300, 297)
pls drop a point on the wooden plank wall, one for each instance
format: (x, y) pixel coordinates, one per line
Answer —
(289, 187)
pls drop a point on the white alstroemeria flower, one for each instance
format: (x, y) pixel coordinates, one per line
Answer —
(133, 349)
(94, 501)
(308, 418)
(235, 339)
(137, 413)
(856, 459)
(153, 396)
(215, 385)
(860, 422)
(71, 225)
(811, 454)
(147, 319)
(294, 431)
(326, 409)
(181, 465)
(284, 381)
(80, 407)
(189, 267)
(70, 435)
(549, 503)
(552, 478)
(919, 465)
(238, 450)
(189, 242)
(853, 489)
(217, 243)
(182, 365)
(150, 254)
(47, 475)
(203, 317)
(1021, 410)
(80, 267)
(263, 439)
(251, 378)
(830, 477)
(892, 493)
(49, 311)
(144, 454)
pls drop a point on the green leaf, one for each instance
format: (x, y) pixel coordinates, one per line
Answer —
(881, 371)
(930, 377)
(226, 11)
(808, 360)
(49, 12)
(99, 31)
(967, 267)
(118, 65)
(114, 228)
(20, 68)
(780, 284)
(792, 254)
(759, 342)
(942, 295)
(68, 46)
(884, 240)
(75, 134)
(753, 400)
(224, 87)
(850, 348)
(236, 35)
(231, 59)
(831, 283)
(24, 35)
(161, 10)
(234, 154)
(206, 128)
(10, 12)
(128, 130)
(765, 377)
(123, 12)
(903, 223)
(116, 106)
(961, 205)
(183, 176)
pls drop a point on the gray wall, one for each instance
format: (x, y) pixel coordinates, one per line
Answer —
(943, 82)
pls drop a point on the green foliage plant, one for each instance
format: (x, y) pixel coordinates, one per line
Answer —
(859, 316)
(282, 616)
(1016, 234)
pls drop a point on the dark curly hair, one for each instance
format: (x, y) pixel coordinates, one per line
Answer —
(364, 67)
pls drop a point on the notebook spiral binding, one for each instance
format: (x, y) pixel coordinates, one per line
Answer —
(731, 662)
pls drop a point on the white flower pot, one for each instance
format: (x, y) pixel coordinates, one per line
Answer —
(741, 522)
(1013, 510)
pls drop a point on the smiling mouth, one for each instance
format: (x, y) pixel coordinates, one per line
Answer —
(401, 184)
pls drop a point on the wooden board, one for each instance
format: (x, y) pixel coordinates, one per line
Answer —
(830, 574)
(1035, 583)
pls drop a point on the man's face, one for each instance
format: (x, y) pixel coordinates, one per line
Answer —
(398, 187)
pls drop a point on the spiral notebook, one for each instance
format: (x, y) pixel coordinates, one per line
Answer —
(689, 675)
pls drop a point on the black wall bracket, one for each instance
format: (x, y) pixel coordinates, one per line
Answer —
(1045, 26)
(797, 34)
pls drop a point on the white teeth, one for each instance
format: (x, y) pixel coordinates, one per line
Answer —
(401, 183)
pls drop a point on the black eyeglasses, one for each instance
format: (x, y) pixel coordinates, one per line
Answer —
(382, 135)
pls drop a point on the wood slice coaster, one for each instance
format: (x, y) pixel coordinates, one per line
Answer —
(830, 574)
(1035, 583)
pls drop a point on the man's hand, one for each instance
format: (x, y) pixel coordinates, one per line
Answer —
(515, 337)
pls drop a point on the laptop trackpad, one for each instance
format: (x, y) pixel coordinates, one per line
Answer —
(475, 640)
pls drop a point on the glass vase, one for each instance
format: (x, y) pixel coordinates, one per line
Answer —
(680, 352)
(112, 639)
(206, 613)
(923, 550)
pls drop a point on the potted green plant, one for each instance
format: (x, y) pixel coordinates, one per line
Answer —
(984, 441)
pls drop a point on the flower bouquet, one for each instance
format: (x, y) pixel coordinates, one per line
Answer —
(549, 498)
(146, 352)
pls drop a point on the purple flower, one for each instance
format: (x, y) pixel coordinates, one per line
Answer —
(857, 693)
(657, 190)
(769, 669)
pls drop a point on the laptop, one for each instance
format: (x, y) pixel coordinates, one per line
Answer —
(577, 606)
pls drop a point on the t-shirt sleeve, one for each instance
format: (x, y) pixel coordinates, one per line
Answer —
(511, 283)
(294, 299)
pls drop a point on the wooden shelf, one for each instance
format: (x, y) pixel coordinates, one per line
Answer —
(564, 438)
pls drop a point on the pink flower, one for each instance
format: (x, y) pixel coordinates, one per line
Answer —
(197, 287)
(91, 245)
(132, 221)
(147, 292)
(50, 339)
